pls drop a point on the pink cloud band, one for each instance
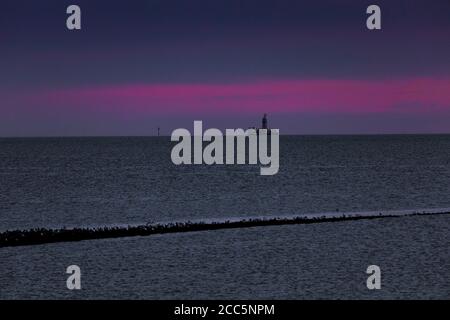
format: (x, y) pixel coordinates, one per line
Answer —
(285, 96)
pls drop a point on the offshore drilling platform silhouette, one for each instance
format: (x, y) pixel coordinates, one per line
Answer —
(264, 125)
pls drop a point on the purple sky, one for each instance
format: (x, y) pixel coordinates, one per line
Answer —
(314, 68)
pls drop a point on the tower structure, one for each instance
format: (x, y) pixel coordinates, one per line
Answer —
(264, 122)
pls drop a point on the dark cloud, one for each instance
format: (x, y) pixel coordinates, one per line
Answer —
(220, 40)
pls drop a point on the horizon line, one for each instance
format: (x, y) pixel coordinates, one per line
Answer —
(165, 135)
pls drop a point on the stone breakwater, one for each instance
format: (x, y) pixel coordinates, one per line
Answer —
(43, 235)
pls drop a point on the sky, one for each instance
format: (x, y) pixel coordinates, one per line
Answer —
(137, 65)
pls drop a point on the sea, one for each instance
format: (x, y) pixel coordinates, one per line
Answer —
(119, 181)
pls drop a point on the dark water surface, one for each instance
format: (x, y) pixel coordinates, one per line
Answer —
(105, 181)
